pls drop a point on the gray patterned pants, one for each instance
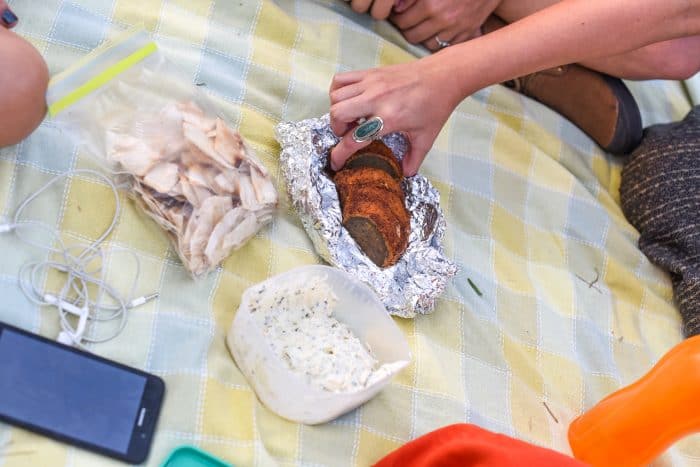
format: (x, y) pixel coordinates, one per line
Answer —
(660, 194)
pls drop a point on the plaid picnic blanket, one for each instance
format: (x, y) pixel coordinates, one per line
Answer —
(568, 309)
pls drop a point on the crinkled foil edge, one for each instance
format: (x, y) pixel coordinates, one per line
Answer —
(409, 287)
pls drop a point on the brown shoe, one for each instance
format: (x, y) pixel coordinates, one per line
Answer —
(600, 105)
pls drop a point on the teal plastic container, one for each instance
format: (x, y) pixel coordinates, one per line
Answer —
(190, 456)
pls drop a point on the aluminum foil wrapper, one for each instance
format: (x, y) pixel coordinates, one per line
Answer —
(410, 286)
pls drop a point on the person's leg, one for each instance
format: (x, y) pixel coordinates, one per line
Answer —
(23, 81)
(660, 196)
(599, 104)
(675, 59)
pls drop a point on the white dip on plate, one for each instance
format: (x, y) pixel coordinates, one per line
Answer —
(297, 320)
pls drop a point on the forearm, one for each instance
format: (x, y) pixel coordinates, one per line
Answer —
(570, 31)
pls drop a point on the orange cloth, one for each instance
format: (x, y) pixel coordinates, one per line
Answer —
(465, 445)
(636, 424)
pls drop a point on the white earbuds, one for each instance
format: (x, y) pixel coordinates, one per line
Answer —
(67, 306)
(65, 336)
(82, 264)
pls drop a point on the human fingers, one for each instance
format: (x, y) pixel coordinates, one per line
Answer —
(343, 150)
(344, 114)
(346, 92)
(437, 43)
(402, 5)
(346, 78)
(427, 30)
(345, 89)
(419, 147)
(449, 36)
(8, 18)
(381, 9)
(412, 16)
(465, 36)
(351, 142)
(405, 97)
(360, 6)
(428, 18)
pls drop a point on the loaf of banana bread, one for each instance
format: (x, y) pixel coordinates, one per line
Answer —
(373, 203)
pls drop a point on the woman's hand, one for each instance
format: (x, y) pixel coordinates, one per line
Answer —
(414, 98)
(378, 9)
(7, 18)
(452, 21)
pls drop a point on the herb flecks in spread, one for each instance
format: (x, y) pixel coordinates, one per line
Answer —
(297, 319)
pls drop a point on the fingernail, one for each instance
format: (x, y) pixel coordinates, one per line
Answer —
(399, 5)
(8, 17)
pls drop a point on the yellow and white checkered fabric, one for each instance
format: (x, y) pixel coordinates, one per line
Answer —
(533, 220)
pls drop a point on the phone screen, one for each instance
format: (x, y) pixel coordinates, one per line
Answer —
(59, 390)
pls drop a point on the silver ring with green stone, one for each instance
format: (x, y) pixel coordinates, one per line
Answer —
(368, 130)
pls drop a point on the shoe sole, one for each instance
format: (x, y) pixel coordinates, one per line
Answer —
(628, 130)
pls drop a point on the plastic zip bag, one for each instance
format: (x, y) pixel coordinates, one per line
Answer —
(188, 169)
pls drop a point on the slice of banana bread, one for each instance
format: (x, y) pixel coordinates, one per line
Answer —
(376, 155)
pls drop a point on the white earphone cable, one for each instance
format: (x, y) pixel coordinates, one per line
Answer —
(83, 264)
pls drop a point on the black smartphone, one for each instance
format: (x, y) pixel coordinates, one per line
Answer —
(77, 397)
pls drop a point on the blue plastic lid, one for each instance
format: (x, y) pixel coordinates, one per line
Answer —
(190, 456)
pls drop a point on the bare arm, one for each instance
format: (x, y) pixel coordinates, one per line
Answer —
(417, 98)
(567, 32)
(23, 81)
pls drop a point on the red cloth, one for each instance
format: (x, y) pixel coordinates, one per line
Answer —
(465, 445)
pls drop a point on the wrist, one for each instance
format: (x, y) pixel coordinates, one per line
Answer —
(454, 76)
